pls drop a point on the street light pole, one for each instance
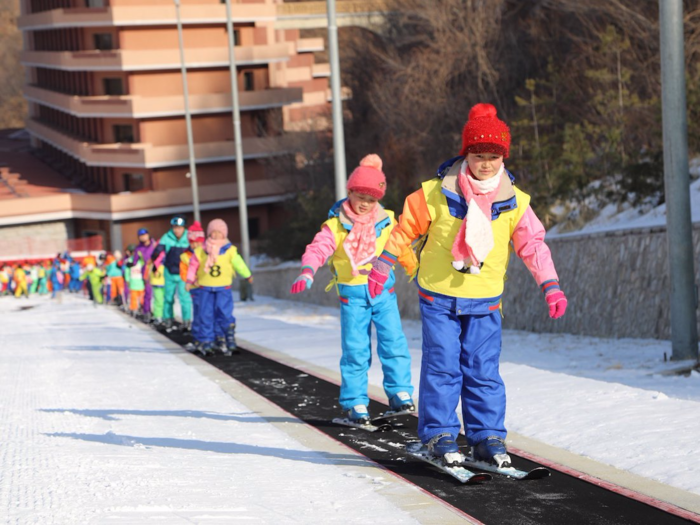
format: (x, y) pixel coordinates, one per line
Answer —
(679, 229)
(188, 118)
(237, 138)
(338, 133)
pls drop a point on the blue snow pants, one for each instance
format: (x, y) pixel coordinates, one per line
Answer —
(215, 312)
(196, 320)
(357, 313)
(75, 284)
(461, 350)
(174, 284)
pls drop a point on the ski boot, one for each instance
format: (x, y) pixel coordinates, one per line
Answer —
(402, 402)
(193, 346)
(492, 450)
(186, 327)
(231, 347)
(444, 447)
(220, 344)
(171, 326)
(206, 349)
(359, 415)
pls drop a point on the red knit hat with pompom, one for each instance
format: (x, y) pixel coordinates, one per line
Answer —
(484, 132)
(368, 177)
(195, 233)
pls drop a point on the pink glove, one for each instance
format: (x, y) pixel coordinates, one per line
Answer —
(377, 277)
(557, 303)
(304, 281)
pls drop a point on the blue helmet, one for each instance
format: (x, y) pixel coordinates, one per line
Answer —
(178, 220)
(142, 231)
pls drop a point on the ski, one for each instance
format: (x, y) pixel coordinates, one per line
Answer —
(369, 427)
(390, 414)
(419, 451)
(511, 472)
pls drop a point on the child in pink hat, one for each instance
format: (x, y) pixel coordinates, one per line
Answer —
(212, 268)
(355, 233)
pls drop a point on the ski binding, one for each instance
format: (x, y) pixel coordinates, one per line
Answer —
(419, 451)
(390, 414)
(369, 427)
(511, 472)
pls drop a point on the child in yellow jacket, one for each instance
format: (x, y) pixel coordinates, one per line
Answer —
(213, 268)
(468, 215)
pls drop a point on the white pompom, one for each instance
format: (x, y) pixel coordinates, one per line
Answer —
(474, 270)
(458, 265)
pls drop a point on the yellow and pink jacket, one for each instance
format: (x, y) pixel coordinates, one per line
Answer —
(328, 244)
(435, 212)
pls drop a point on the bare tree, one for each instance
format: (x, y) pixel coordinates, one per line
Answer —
(13, 108)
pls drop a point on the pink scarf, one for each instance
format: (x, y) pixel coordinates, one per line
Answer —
(213, 247)
(474, 241)
(361, 242)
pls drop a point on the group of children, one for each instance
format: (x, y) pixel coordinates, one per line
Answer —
(454, 238)
(40, 277)
(198, 268)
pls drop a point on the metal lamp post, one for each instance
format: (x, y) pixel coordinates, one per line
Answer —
(338, 133)
(679, 229)
(188, 118)
(240, 174)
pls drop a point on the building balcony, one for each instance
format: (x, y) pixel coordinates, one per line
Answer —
(153, 60)
(152, 15)
(310, 45)
(125, 206)
(145, 155)
(312, 15)
(149, 107)
(321, 70)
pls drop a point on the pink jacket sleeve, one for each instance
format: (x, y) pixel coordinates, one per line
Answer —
(528, 241)
(159, 260)
(192, 269)
(320, 249)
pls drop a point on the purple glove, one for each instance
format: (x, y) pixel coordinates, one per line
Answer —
(304, 281)
(557, 303)
(377, 277)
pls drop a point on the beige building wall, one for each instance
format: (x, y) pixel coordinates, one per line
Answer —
(137, 3)
(205, 128)
(147, 38)
(213, 173)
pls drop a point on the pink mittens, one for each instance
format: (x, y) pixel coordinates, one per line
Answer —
(381, 269)
(555, 298)
(375, 282)
(304, 281)
(557, 303)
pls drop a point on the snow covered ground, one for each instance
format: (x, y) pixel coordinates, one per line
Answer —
(99, 423)
(613, 217)
(601, 398)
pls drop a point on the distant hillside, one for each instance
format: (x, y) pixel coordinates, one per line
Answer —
(13, 108)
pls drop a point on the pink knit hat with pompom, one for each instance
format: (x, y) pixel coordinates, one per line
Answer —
(368, 177)
(217, 225)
